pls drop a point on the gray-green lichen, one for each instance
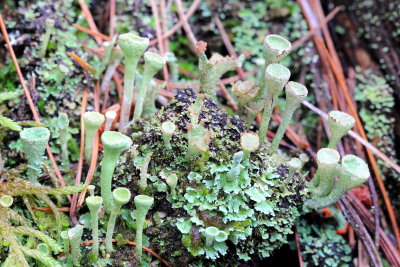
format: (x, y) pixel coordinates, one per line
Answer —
(253, 212)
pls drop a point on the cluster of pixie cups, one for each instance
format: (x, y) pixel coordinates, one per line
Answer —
(350, 170)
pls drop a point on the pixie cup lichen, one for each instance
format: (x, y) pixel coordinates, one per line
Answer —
(276, 76)
(293, 165)
(339, 124)
(75, 238)
(142, 203)
(49, 29)
(172, 182)
(276, 47)
(249, 142)
(93, 121)
(94, 204)
(132, 46)
(63, 123)
(295, 93)
(34, 141)
(114, 144)
(327, 160)
(352, 173)
(167, 128)
(153, 63)
(121, 196)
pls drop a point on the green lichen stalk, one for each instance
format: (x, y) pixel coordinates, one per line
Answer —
(153, 63)
(144, 172)
(276, 47)
(94, 204)
(121, 197)
(172, 182)
(293, 165)
(142, 203)
(63, 123)
(295, 93)
(93, 121)
(168, 128)
(132, 47)
(114, 144)
(34, 141)
(352, 173)
(249, 142)
(49, 29)
(75, 238)
(339, 124)
(276, 76)
(327, 160)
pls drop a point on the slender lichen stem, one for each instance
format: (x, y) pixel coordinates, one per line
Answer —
(143, 171)
(34, 141)
(63, 123)
(327, 160)
(74, 236)
(94, 204)
(153, 63)
(121, 196)
(295, 93)
(276, 77)
(142, 204)
(93, 121)
(47, 35)
(114, 144)
(132, 47)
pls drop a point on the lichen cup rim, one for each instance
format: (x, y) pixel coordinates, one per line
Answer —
(155, 60)
(93, 118)
(276, 71)
(144, 201)
(35, 134)
(328, 156)
(94, 200)
(121, 195)
(249, 141)
(168, 127)
(342, 118)
(277, 43)
(356, 167)
(294, 163)
(296, 89)
(115, 140)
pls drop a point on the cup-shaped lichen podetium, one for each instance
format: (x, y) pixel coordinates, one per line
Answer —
(339, 124)
(121, 196)
(153, 63)
(93, 121)
(63, 123)
(75, 237)
(276, 47)
(94, 204)
(167, 128)
(132, 46)
(295, 93)
(34, 141)
(6, 201)
(293, 165)
(352, 173)
(245, 92)
(249, 142)
(110, 117)
(276, 76)
(114, 144)
(142, 204)
(172, 182)
(327, 160)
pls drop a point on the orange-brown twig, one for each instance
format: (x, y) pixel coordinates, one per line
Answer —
(89, 18)
(82, 63)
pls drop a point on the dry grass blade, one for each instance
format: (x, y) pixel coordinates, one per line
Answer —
(29, 98)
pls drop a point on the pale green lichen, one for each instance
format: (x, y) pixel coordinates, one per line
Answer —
(47, 35)
(121, 196)
(63, 123)
(276, 76)
(153, 63)
(34, 141)
(114, 144)
(339, 124)
(75, 239)
(327, 160)
(94, 204)
(93, 121)
(132, 47)
(142, 204)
